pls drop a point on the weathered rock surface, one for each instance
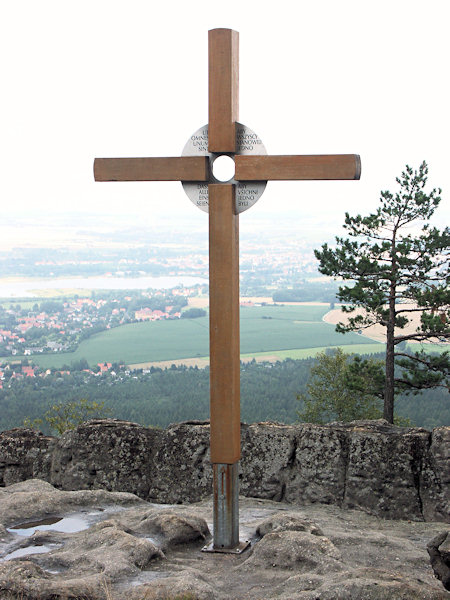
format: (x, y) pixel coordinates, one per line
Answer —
(316, 552)
(181, 467)
(268, 455)
(361, 584)
(168, 527)
(90, 560)
(435, 476)
(185, 585)
(439, 551)
(109, 454)
(295, 550)
(384, 470)
(287, 522)
(319, 465)
(24, 501)
(393, 472)
(24, 454)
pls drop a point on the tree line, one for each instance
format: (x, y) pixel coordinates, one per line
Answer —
(269, 392)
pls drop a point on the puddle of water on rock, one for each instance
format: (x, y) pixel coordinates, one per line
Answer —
(29, 524)
(53, 571)
(27, 551)
(154, 541)
(61, 524)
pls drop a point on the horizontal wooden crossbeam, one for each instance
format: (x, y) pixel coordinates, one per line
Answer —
(315, 166)
(183, 168)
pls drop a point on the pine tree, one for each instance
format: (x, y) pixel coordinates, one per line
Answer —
(395, 275)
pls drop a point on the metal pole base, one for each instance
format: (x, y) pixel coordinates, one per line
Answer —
(226, 510)
(238, 550)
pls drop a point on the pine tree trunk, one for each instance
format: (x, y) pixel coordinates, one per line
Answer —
(389, 385)
(390, 330)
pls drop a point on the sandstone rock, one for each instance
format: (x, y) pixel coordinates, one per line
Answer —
(435, 477)
(185, 585)
(361, 584)
(396, 473)
(383, 471)
(319, 468)
(359, 557)
(24, 454)
(169, 527)
(439, 551)
(295, 550)
(28, 485)
(103, 549)
(108, 453)
(3, 533)
(177, 529)
(23, 578)
(268, 453)
(289, 521)
(91, 561)
(181, 468)
(36, 499)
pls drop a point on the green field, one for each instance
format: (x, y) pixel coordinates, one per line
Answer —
(25, 304)
(263, 329)
(301, 353)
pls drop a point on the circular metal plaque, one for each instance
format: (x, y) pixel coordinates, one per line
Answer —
(247, 142)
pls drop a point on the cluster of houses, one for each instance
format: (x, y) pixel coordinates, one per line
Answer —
(10, 337)
(8, 372)
(11, 372)
(61, 330)
(57, 328)
(147, 314)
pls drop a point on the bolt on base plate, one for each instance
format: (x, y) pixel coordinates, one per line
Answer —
(237, 550)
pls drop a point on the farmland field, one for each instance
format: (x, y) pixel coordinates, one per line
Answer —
(263, 329)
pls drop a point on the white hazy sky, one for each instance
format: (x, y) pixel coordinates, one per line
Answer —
(129, 78)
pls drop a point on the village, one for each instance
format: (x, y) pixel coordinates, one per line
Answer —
(60, 325)
(13, 372)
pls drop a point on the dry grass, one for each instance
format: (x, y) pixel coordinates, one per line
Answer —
(375, 332)
(201, 363)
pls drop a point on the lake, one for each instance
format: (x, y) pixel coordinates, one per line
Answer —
(27, 288)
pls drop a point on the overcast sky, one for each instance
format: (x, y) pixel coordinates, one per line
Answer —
(129, 78)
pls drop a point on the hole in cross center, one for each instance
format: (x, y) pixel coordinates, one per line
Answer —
(223, 168)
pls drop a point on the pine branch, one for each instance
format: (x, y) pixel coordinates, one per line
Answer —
(421, 337)
(397, 312)
(428, 363)
(419, 386)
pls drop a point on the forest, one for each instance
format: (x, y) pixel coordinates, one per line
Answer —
(160, 397)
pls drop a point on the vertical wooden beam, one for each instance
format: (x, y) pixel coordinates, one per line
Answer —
(224, 324)
(223, 89)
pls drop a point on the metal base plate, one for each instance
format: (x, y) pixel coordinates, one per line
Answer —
(238, 550)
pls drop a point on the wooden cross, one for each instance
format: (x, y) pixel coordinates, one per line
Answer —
(224, 255)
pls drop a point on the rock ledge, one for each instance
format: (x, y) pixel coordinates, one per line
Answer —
(388, 471)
